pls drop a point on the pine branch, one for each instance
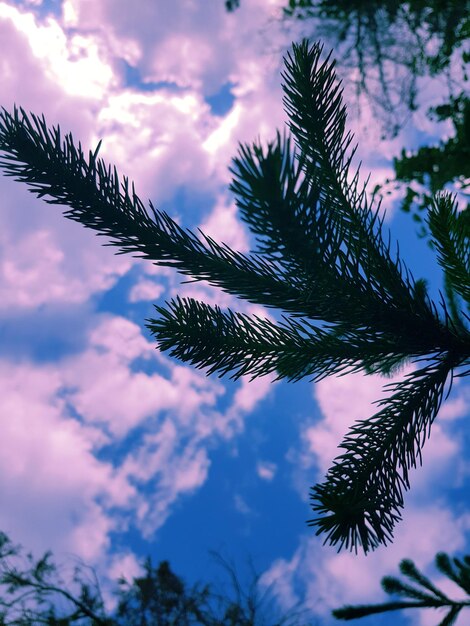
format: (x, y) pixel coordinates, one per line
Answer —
(54, 168)
(409, 569)
(361, 498)
(451, 236)
(295, 229)
(57, 171)
(276, 202)
(317, 114)
(423, 594)
(236, 343)
(294, 221)
(281, 207)
(323, 259)
(456, 570)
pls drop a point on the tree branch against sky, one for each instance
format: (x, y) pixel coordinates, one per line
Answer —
(434, 167)
(385, 46)
(348, 301)
(34, 592)
(387, 49)
(421, 593)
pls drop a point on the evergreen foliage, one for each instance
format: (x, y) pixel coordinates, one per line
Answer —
(431, 168)
(324, 260)
(421, 593)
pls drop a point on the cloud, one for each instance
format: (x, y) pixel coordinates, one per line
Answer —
(177, 50)
(59, 418)
(246, 397)
(48, 458)
(266, 470)
(115, 435)
(156, 139)
(172, 467)
(40, 250)
(74, 61)
(104, 389)
(241, 506)
(176, 409)
(145, 290)
(177, 43)
(38, 268)
(223, 226)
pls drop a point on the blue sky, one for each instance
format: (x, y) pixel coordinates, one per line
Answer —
(112, 451)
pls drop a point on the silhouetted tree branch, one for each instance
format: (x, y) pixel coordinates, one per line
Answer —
(422, 593)
(32, 593)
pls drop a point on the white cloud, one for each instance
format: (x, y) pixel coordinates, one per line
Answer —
(266, 470)
(145, 290)
(224, 133)
(183, 59)
(458, 404)
(156, 139)
(248, 395)
(55, 424)
(48, 458)
(37, 268)
(104, 389)
(223, 225)
(76, 62)
(124, 565)
(180, 44)
(44, 258)
(173, 468)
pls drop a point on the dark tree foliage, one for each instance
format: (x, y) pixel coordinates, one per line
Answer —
(431, 168)
(385, 46)
(444, 20)
(391, 45)
(324, 260)
(34, 592)
(160, 598)
(231, 5)
(421, 593)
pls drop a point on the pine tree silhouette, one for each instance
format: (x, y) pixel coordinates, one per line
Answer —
(347, 300)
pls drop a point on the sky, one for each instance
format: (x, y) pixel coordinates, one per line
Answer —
(112, 451)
